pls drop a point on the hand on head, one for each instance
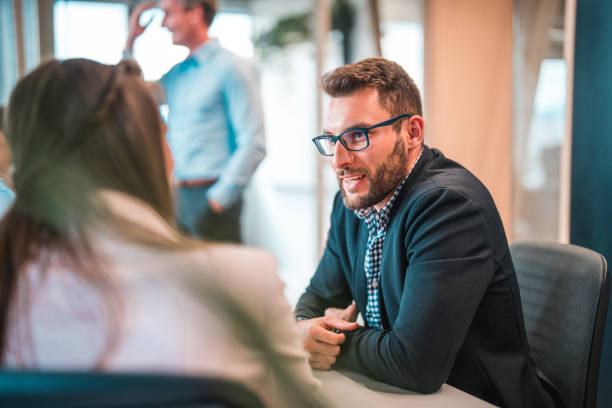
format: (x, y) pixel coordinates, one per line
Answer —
(134, 27)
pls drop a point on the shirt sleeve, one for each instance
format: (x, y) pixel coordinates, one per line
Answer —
(165, 84)
(450, 266)
(244, 109)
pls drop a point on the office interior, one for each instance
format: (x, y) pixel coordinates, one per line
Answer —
(518, 91)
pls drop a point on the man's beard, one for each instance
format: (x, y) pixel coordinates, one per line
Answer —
(383, 182)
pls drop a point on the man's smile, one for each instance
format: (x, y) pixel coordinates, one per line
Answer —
(351, 180)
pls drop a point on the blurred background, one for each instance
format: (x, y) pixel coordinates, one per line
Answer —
(518, 91)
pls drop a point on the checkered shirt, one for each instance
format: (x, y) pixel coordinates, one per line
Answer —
(377, 226)
(377, 222)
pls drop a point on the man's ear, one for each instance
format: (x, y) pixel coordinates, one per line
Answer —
(196, 15)
(415, 131)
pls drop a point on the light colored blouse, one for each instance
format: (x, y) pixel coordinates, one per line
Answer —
(162, 317)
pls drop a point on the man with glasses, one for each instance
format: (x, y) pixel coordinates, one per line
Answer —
(416, 245)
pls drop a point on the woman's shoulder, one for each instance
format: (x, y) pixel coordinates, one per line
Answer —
(232, 257)
(246, 274)
(241, 266)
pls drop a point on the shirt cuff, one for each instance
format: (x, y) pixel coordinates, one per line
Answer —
(125, 54)
(225, 194)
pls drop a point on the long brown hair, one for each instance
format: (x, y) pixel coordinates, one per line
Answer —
(74, 128)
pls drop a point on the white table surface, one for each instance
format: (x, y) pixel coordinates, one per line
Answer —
(346, 389)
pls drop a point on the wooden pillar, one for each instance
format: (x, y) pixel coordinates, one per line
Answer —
(45, 29)
(323, 25)
(18, 20)
(468, 87)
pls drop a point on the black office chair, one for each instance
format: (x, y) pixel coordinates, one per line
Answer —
(21, 389)
(564, 292)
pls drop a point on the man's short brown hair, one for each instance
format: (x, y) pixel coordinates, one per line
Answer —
(396, 90)
(209, 8)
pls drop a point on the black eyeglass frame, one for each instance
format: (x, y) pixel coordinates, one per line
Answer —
(335, 139)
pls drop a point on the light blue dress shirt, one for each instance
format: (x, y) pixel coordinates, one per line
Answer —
(215, 121)
(7, 196)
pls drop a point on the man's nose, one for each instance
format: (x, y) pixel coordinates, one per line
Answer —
(342, 156)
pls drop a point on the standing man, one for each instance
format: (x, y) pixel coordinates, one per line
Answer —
(215, 122)
(417, 244)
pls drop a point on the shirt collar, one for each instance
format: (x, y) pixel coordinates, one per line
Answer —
(203, 52)
(376, 220)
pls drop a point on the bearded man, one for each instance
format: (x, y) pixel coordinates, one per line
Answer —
(417, 246)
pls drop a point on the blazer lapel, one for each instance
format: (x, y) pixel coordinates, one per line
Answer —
(359, 278)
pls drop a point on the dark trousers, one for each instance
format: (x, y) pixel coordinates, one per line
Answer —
(195, 218)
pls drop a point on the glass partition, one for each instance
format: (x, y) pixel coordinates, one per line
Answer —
(540, 75)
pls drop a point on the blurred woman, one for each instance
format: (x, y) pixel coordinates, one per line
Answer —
(93, 274)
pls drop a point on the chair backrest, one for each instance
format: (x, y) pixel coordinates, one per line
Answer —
(20, 389)
(564, 293)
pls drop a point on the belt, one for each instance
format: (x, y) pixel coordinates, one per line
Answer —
(204, 182)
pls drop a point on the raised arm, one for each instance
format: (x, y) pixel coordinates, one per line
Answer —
(135, 29)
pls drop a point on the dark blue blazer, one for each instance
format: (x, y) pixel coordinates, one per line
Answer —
(450, 302)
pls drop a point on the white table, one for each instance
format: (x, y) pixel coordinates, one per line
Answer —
(346, 389)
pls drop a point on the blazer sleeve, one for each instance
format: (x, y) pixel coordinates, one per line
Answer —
(450, 265)
(328, 286)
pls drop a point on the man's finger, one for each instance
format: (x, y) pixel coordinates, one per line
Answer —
(321, 333)
(321, 361)
(145, 6)
(350, 313)
(149, 21)
(314, 346)
(334, 312)
(320, 366)
(340, 324)
(322, 358)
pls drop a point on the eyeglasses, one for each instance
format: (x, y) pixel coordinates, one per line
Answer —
(355, 139)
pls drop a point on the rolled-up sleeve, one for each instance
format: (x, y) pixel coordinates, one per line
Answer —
(328, 286)
(244, 109)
